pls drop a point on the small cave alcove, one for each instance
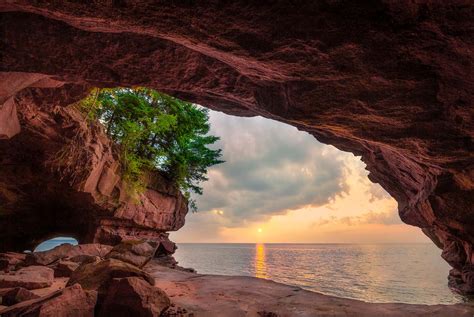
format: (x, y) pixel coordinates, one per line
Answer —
(54, 242)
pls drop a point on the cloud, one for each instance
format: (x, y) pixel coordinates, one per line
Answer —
(377, 192)
(270, 168)
(386, 218)
(371, 217)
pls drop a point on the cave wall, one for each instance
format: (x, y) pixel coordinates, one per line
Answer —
(59, 176)
(391, 81)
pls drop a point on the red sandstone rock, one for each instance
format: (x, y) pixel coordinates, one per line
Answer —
(9, 124)
(135, 252)
(114, 231)
(83, 258)
(97, 276)
(395, 87)
(31, 277)
(69, 302)
(66, 250)
(93, 249)
(49, 256)
(11, 260)
(153, 210)
(70, 190)
(132, 296)
(166, 247)
(16, 295)
(64, 268)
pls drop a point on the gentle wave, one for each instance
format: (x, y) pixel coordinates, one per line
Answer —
(407, 273)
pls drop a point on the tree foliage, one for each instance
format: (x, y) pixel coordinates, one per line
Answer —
(154, 131)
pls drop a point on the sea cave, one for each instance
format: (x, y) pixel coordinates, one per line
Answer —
(388, 81)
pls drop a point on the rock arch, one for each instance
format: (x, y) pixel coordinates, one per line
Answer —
(51, 243)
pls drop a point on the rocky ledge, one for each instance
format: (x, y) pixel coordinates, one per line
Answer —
(126, 280)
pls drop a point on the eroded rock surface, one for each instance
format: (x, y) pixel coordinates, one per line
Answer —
(31, 277)
(391, 81)
(16, 295)
(99, 275)
(60, 176)
(69, 302)
(67, 250)
(11, 260)
(64, 268)
(133, 296)
(111, 286)
(135, 252)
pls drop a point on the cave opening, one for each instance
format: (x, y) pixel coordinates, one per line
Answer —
(278, 185)
(54, 242)
(283, 195)
(393, 88)
(270, 169)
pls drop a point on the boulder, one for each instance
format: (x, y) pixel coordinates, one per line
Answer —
(98, 275)
(16, 295)
(84, 258)
(11, 260)
(49, 256)
(31, 277)
(166, 260)
(132, 296)
(92, 249)
(136, 252)
(64, 268)
(167, 247)
(69, 302)
(66, 250)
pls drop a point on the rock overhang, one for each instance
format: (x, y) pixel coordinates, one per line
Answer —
(390, 81)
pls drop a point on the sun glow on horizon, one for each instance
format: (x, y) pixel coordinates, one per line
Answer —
(279, 185)
(355, 216)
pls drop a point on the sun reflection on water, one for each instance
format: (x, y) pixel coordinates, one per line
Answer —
(260, 262)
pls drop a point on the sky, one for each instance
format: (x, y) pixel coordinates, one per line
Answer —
(280, 185)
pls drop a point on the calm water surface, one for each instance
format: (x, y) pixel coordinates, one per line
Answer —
(408, 273)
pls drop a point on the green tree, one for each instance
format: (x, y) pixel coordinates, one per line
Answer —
(154, 131)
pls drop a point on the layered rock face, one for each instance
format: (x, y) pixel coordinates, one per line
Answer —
(59, 176)
(391, 81)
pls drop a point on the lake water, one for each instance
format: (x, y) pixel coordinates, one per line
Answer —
(408, 273)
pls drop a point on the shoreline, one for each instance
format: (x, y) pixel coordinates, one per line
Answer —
(221, 295)
(186, 293)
